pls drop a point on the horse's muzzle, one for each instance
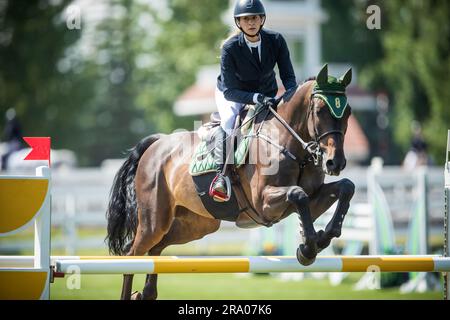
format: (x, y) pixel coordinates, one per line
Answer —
(334, 166)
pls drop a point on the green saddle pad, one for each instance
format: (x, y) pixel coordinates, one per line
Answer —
(203, 160)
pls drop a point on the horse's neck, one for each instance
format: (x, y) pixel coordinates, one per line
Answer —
(295, 113)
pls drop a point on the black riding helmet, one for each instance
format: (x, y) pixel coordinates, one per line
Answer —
(248, 8)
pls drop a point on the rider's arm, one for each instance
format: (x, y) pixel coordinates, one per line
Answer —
(287, 74)
(231, 83)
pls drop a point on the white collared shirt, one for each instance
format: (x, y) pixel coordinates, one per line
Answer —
(251, 45)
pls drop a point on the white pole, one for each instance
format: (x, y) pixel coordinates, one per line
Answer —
(446, 217)
(70, 225)
(375, 169)
(423, 192)
(42, 232)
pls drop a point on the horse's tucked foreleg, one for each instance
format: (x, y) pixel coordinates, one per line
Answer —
(346, 191)
(343, 191)
(307, 251)
(274, 204)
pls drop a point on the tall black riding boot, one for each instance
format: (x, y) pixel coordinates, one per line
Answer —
(219, 189)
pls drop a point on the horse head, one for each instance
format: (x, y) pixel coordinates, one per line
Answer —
(327, 119)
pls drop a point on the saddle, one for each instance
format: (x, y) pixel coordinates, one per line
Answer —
(203, 159)
(203, 167)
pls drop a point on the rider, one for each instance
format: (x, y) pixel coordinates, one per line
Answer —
(247, 77)
(12, 136)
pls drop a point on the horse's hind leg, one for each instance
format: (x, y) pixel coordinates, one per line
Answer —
(127, 279)
(150, 288)
(151, 229)
(342, 191)
(186, 227)
(126, 287)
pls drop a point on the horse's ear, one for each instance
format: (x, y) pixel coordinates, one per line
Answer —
(322, 76)
(346, 78)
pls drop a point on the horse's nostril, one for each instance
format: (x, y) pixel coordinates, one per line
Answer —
(330, 164)
(344, 165)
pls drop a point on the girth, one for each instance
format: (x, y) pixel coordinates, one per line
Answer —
(244, 203)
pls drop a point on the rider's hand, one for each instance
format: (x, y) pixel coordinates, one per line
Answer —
(266, 101)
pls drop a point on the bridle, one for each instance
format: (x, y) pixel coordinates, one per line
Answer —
(315, 153)
(314, 146)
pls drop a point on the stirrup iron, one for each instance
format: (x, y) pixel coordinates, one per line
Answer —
(217, 195)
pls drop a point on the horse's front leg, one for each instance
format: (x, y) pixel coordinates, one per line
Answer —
(274, 204)
(307, 251)
(327, 194)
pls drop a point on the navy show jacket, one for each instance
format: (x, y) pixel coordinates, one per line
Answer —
(242, 76)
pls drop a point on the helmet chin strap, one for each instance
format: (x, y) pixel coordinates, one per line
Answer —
(249, 35)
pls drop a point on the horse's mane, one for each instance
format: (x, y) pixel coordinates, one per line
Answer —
(309, 79)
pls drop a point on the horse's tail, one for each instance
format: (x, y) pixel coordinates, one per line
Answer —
(122, 209)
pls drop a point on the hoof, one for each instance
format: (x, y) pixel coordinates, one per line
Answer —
(334, 232)
(323, 241)
(136, 296)
(304, 260)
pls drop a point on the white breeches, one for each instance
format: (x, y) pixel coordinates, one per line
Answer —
(228, 111)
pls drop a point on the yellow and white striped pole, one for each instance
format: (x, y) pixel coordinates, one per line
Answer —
(221, 264)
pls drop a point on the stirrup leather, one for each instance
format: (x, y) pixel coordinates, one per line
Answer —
(217, 195)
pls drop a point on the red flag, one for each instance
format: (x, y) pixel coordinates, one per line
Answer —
(40, 148)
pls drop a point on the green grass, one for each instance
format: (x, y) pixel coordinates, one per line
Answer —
(228, 287)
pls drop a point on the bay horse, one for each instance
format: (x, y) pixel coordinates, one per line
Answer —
(154, 203)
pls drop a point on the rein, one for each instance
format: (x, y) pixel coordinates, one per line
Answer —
(312, 147)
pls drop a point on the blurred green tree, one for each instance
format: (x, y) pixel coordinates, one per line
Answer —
(346, 39)
(113, 122)
(33, 77)
(189, 38)
(98, 90)
(415, 69)
(145, 56)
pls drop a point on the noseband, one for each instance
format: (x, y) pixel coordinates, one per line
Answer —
(313, 147)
